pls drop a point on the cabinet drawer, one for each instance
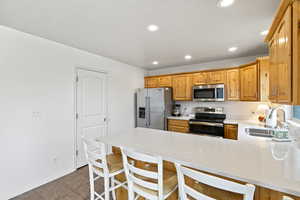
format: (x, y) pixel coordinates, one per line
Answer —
(175, 122)
(179, 129)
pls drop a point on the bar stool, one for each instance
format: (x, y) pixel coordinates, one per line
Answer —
(186, 191)
(150, 182)
(102, 165)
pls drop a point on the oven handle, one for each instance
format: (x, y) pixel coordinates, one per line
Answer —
(207, 124)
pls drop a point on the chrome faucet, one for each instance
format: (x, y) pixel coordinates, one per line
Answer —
(272, 118)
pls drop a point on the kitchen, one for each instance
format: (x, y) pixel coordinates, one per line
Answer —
(257, 97)
(150, 100)
(203, 93)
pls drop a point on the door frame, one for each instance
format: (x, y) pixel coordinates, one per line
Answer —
(75, 134)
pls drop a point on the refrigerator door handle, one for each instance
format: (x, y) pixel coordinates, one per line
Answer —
(146, 111)
(165, 120)
(149, 113)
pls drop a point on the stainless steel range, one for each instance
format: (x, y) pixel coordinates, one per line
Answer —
(208, 121)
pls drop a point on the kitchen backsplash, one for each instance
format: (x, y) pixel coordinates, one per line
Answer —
(233, 110)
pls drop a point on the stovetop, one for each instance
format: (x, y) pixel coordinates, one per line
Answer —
(208, 114)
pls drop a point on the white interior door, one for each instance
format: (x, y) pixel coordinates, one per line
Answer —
(91, 109)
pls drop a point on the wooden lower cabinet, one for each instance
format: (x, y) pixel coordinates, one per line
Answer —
(231, 131)
(181, 126)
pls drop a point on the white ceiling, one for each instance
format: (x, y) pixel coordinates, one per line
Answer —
(117, 28)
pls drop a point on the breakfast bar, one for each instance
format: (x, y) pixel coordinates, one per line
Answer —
(272, 166)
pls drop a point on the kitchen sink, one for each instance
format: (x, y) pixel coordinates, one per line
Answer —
(260, 132)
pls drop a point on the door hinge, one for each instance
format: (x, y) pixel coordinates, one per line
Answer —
(77, 115)
(77, 152)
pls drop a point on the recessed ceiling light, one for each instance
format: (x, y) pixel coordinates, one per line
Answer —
(188, 57)
(225, 3)
(152, 28)
(155, 63)
(232, 49)
(264, 32)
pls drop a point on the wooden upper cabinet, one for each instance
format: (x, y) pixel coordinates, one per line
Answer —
(151, 82)
(273, 71)
(249, 83)
(284, 58)
(200, 78)
(233, 84)
(280, 87)
(284, 42)
(217, 77)
(264, 69)
(165, 81)
(182, 87)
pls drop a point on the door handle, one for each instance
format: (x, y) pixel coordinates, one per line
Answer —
(207, 124)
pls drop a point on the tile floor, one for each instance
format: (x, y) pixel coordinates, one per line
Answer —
(74, 186)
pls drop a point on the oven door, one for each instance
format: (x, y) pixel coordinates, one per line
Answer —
(207, 128)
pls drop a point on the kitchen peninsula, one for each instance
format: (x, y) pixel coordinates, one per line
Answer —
(272, 167)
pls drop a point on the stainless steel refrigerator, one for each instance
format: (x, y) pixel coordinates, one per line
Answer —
(153, 106)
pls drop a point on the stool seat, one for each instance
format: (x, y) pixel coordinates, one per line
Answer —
(169, 183)
(114, 163)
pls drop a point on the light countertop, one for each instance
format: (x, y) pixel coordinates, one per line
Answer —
(180, 117)
(251, 159)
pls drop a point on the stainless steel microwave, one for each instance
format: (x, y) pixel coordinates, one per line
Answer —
(206, 93)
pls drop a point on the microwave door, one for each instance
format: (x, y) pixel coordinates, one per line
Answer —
(205, 94)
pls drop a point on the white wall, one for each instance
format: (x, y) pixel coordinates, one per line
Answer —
(204, 66)
(37, 75)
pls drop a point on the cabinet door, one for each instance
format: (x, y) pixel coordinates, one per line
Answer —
(284, 59)
(165, 81)
(233, 85)
(151, 82)
(182, 88)
(200, 78)
(217, 77)
(273, 71)
(264, 65)
(249, 83)
(231, 132)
